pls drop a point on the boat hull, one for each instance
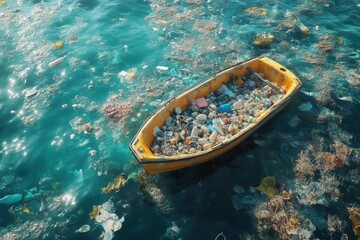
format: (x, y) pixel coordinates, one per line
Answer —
(142, 141)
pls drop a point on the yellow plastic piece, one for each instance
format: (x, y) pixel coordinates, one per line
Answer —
(25, 209)
(340, 40)
(256, 11)
(115, 185)
(263, 39)
(267, 186)
(304, 29)
(355, 218)
(58, 45)
(294, 222)
(95, 212)
(2, 2)
(131, 74)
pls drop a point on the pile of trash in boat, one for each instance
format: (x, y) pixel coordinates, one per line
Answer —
(213, 119)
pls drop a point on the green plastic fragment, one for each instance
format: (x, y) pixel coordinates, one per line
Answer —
(267, 186)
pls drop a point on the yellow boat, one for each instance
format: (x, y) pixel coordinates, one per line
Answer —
(143, 140)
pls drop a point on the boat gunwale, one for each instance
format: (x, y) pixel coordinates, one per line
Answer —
(186, 157)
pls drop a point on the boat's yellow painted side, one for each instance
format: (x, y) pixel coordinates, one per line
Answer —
(272, 71)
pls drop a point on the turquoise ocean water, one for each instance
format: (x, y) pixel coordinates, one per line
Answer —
(43, 110)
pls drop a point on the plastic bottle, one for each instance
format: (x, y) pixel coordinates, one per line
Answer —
(195, 132)
(213, 136)
(56, 62)
(205, 129)
(303, 28)
(218, 129)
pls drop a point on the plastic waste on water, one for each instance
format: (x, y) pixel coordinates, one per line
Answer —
(11, 199)
(83, 229)
(355, 55)
(162, 68)
(6, 180)
(173, 72)
(130, 74)
(58, 45)
(263, 39)
(126, 48)
(29, 195)
(122, 74)
(56, 62)
(304, 29)
(294, 121)
(110, 226)
(42, 206)
(104, 214)
(30, 92)
(305, 107)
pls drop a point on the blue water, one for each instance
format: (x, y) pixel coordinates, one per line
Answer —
(197, 39)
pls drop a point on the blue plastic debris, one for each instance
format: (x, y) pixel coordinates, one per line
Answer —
(267, 104)
(225, 108)
(10, 199)
(29, 195)
(355, 55)
(212, 129)
(173, 72)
